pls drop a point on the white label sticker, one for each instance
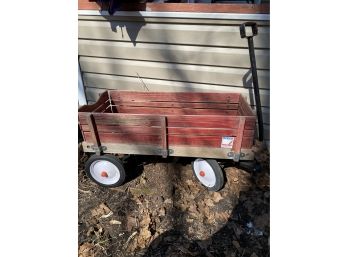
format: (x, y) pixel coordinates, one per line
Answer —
(227, 142)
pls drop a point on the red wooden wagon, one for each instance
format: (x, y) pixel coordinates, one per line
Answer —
(200, 125)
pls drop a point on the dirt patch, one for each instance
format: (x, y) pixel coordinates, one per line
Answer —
(162, 210)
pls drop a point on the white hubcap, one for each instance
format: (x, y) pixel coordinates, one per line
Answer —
(204, 172)
(105, 172)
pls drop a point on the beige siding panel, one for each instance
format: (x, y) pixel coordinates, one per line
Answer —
(127, 83)
(212, 35)
(167, 20)
(171, 71)
(234, 57)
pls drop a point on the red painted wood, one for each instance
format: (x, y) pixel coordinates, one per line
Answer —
(126, 129)
(205, 141)
(206, 121)
(164, 136)
(238, 141)
(188, 97)
(222, 106)
(171, 131)
(141, 114)
(247, 142)
(122, 119)
(126, 138)
(179, 7)
(206, 132)
(244, 108)
(174, 111)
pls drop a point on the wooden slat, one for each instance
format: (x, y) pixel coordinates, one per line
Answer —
(179, 97)
(174, 111)
(164, 136)
(211, 141)
(172, 33)
(121, 119)
(126, 138)
(211, 121)
(247, 142)
(201, 55)
(221, 106)
(244, 107)
(207, 132)
(125, 129)
(171, 130)
(237, 144)
(179, 7)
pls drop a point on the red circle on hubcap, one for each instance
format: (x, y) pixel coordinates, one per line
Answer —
(104, 174)
(202, 173)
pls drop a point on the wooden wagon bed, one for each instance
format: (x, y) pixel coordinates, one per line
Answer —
(207, 125)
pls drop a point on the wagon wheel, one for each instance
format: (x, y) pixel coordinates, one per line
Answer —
(209, 173)
(105, 170)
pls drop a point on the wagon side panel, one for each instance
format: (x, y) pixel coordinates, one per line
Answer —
(206, 136)
(127, 133)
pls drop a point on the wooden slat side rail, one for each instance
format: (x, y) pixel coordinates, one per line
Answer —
(164, 137)
(174, 111)
(180, 97)
(185, 121)
(244, 107)
(179, 7)
(125, 129)
(208, 141)
(220, 106)
(173, 140)
(122, 119)
(171, 131)
(132, 129)
(104, 97)
(127, 138)
(247, 142)
(237, 144)
(166, 127)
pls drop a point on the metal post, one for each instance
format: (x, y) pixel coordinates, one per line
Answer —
(254, 72)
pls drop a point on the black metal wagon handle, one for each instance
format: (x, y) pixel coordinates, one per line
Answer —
(253, 71)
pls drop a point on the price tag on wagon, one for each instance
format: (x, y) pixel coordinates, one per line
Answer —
(227, 142)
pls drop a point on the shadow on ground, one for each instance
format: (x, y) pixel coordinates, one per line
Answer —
(163, 211)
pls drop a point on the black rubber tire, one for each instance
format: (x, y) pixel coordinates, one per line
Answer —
(220, 179)
(107, 157)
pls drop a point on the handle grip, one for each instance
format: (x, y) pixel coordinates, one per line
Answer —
(253, 28)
